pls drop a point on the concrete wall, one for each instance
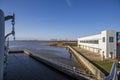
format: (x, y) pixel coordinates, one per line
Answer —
(112, 47)
(108, 47)
(88, 64)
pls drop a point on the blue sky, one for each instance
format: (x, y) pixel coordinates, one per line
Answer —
(61, 19)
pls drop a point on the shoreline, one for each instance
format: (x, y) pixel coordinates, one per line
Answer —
(62, 43)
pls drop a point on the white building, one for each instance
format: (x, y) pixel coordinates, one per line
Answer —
(104, 43)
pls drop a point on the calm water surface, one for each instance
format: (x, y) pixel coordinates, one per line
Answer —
(39, 48)
(21, 67)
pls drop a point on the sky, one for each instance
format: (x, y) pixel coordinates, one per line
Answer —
(61, 19)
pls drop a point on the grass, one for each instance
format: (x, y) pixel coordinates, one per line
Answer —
(106, 66)
(118, 69)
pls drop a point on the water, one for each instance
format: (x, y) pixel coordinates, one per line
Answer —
(39, 48)
(21, 67)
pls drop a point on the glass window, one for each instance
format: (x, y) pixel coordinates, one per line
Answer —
(90, 41)
(96, 41)
(103, 39)
(111, 39)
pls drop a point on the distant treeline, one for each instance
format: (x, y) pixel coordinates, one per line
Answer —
(47, 40)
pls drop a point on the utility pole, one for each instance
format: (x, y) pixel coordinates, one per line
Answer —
(2, 41)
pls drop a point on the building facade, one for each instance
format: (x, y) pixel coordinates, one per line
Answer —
(106, 43)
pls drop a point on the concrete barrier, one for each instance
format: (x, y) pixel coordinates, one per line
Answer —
(88, 64)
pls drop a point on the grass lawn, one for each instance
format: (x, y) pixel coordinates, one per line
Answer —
(118, 69)
(104, 65)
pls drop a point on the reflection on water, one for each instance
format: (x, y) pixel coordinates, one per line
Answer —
(16, 46)
(39, 47)
(25, 68)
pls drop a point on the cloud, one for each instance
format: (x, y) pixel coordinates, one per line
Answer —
(68, 3)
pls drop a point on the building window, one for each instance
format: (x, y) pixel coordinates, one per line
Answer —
(103, 39)
(90, 41)
(111, 39)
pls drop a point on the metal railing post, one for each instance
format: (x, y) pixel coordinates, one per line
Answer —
(2, 32)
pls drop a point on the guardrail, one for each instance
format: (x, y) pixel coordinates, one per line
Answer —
(113, 73)
(74, 70)
(63, 67)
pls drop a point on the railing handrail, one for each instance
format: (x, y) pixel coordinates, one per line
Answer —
(113, 73)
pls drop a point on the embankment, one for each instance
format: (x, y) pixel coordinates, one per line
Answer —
(87, 63)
